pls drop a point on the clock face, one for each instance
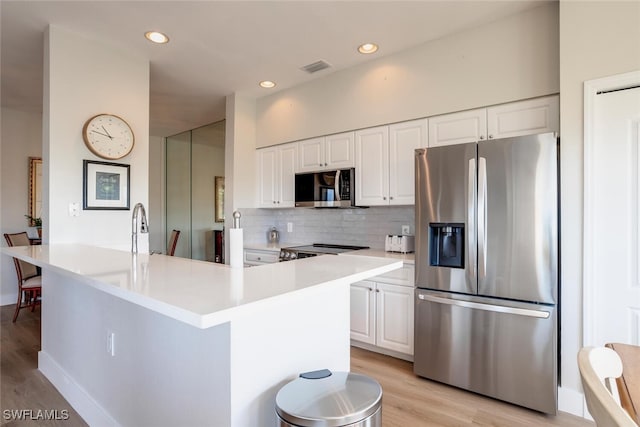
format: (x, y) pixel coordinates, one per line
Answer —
(108, 136)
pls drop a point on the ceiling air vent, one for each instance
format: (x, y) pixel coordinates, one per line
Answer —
(316, 66)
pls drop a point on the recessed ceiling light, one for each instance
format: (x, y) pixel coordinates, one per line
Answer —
(268, 84)
(156, 37)
(367, 48)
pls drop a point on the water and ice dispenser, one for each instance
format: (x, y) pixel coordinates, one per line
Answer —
(446, 245)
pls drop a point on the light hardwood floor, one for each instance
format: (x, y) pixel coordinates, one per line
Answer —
(408, 401)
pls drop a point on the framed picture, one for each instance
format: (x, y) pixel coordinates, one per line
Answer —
(105, 186)
(219, 209)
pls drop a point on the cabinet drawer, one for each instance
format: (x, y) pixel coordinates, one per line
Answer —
(402, 276)
(260, 257)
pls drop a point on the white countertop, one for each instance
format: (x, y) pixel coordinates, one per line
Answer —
(379, 253)
(199, 293)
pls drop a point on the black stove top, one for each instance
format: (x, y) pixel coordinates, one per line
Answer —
(305, 251)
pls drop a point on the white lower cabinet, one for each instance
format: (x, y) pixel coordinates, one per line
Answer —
(382, 314)
(260, 256)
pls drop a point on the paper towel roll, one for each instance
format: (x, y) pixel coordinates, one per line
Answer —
(236, 248)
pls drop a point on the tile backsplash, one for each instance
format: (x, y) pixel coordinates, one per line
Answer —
(362, 227)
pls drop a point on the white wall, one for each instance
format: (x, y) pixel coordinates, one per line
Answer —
(597, 39)
(82, 78)
(156, 214)
(510, 59)
(21, 139)
(240, 155)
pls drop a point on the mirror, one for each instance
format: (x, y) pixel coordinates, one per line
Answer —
(35, 189)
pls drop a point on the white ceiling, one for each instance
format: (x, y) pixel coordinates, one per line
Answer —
(221, 47)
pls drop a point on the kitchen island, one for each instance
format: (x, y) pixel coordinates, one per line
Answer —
(141, 340)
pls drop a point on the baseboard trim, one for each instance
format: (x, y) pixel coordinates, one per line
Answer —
(92, 413)
(571, 401)
(376, 349)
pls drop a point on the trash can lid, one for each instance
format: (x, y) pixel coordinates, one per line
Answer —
(336, 399)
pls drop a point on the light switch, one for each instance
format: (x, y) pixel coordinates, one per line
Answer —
(74, 209)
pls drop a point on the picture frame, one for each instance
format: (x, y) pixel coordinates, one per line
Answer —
(105, 186)
(219, 199)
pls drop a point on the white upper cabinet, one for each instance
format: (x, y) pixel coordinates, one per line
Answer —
(327, 152)
(276, 176)
(527, 117)
(458, 128)
(385, 163)
(404, 138)
(340, 150)
(311, 154)
(372, 166)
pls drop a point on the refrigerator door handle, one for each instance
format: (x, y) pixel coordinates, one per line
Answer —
(542, 314)
(471, 221)
(482, 217)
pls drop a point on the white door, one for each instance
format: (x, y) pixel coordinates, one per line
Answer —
(394, 317)
(404, 138)
(458, 128)
(340, 151)
(363, 312)
(372, 166)
(287, 158)
(527, 117)
(267, 177)
(612, 243)
(311, 152)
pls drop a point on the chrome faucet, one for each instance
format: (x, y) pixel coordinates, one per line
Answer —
(144, 227)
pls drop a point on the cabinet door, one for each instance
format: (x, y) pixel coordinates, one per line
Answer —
(267, 177)
(394, 317)
(287, 158)
(458, 128)
(404, 138)
(372, 166)
(340, 150)
(363, 312)
(528, 117)
(311, 153)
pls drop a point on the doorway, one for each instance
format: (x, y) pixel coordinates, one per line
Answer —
(611, 208)
(194, 167)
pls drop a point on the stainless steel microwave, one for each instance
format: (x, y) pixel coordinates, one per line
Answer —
(328, 189)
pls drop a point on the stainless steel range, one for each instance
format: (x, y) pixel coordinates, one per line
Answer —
(306, 251)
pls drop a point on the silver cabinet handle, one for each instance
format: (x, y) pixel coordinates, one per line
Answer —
(490, 136)
(384, 198)
(320, 165)
(377, 290)
(370, 290)
(391, 198)
(325, 164)
(481, 136)
(541, 314)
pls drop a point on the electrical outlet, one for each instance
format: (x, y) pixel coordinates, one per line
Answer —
(111, 343)
(289, 227)
(74, 209)
(406, 229)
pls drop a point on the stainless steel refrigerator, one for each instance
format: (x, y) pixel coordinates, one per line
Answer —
(486, 316)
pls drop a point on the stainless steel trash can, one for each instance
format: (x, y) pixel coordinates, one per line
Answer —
(330, 399)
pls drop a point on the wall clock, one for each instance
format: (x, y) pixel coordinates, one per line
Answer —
(108, 136)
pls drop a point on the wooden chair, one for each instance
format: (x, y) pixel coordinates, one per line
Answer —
(173, 241)
(599, 367)
(29, 279)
